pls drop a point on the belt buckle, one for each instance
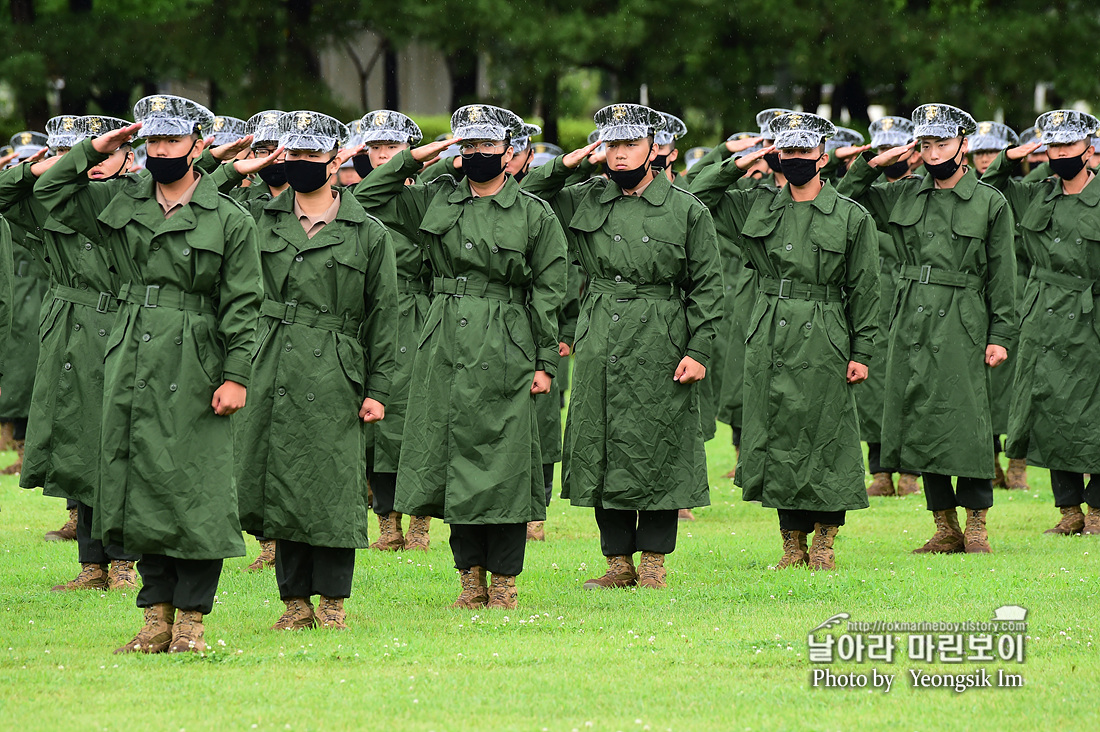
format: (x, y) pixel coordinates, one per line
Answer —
(104, 302)
(925, 274)
(787, 284)
(460, 286)
(148, 291)
(290, 313)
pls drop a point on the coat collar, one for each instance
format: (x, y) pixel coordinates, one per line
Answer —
(825, 201)
(289, 228)
(504, 198)
(655, 193)
(964, 189)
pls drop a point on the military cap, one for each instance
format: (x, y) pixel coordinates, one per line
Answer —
(264, 127)
(94, 125)
(673, 131)
(451, 151)
(544, 152)
(163, 115)
(6, 150)
(523, 138)
(745, 136)
(355, 133)
(311, 131)
(628, 122)
(992, 136)
(800, 130)
(140, 156)
(1031, 134)
(228, 129)
(942, 121)
(593, 135)
(63, 132)
(891, 132)
(28, 143)
(764, 120)
(694, 155)
(385, 125)
(844, 137)
(485, 122)
(1066, 125)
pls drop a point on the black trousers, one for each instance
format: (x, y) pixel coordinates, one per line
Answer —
(736, 436)
(968, 492)
(185, 584)
(20, 428)
(1070, 489)
(998, 448)
(622, 533)
(548, 480)
(384, 487)
(874, 464)
(92, 551)
(303, 570)
(498, 548)
(791, 520)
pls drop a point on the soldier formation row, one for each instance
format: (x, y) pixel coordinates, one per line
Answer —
(401, 333)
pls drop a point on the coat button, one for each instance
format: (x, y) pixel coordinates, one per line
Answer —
(813, 248)
(324, 308)
(87, 245)
(641, 362)
(916, 347)
(299, 258)
(943, 313)
(402, 349)
(1072, 316)
(461, 366)
(779, 364)
(462, 322)
(179, 341)
(141, 383)
(76, 327)
(68, 367)
(287, 348)
(469, 245)
(613, 359)
(935, 349)
(1050, 311)
(615, 317)
(494, 249)
(789, 247)
(102, 331)
(1078, 241)
(317, 352)
(186, 251)
(309, 396)
(809, 326)
(782, 322)
(931, 234)
(155, 247)
(282, 391)
(645, 239)
(1057, 239)
(172, 387)
(146, 337)
(645, 319)
(83, 285)
(618, 238)
(328, 263)
(484, 366)
(920, 309)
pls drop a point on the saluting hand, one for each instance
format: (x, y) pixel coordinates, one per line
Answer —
(689, 371)
(372, 411)
(1021, 152)
(541, 383)
(891, 156)
(113, 140)
(228, 398)
(746, 161)
(230, 150)
(42, 166)
(857, 372)
(254, 165)
(432, 149)
(850, 151)
(995, 355)
(573, 159)
(736, 146)
(347, 154)
(5, 159)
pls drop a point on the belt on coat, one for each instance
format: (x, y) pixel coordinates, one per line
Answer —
(415, 287)
(165, 296)
(1068, 282)
(464, 286)
(291, 312)
(926, 275)
(629, 291)
(103, 302)
(785, 289)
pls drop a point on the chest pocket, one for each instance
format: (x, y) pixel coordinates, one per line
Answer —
(440, 217)
(57, 227)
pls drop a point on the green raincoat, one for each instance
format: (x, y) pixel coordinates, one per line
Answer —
(21, 355)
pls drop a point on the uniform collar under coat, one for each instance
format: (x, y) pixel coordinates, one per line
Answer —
(964, 189)
(1089, 195)
(824, 201)
(504, 198)
(655, 193)
(289, 228)
(138, 202)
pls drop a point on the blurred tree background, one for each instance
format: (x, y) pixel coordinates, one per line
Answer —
(714, 63)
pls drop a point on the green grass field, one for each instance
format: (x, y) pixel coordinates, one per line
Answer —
(724, 648)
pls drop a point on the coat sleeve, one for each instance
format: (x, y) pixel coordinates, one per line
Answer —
(226, 178)
(858, 182)
(862, 286)
(571, 306)
(380, 300)
(550, 182)
(1000, 290)
(383, 194)
(66, 192)
(239, 295)
(729, 206)
(546, 258)
(7, 274)
(1000, 175)
(704, 289)
(17, 202)
(715, 157)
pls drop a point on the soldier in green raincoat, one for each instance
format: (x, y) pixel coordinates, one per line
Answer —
(1052, 422)
(323, 368)
(470, 448)
(633, 440)
(7, 271)
(63, 433)
(810, 337)
(177, 363)
(952, 316)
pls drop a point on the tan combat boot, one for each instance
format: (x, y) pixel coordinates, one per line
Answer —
(330, 613)
(998, 473)
(620, 573)
(474, 593)
(417, 536)
(907, 484)
(536, 531)
(187, 633)
(91, 577)
(66, 532)
(390, 538)
(1016, 477)
(7, 435)
(685, 514)
(16, 467)
(266, 557)
(948, 538)
(1073, 521)
(155, 636)
(122, 575)
(881, 485)
(977, 540)
(298, 616)
(795, 553)
(502, 592)
(651, 571)
(1092, 522)
(822, 557)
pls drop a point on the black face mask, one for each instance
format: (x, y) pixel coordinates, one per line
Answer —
(117, 172)
(900, 169)
(274, 175)
(628, 179)
(1067, 168)
(946, 169)
(482, 167)
(306, 176)
(772, 159)
(799, 171)
(362, 165)
(660, 162)
(169, 170)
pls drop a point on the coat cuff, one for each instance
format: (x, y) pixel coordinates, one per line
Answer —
(237, 369)
(379, 389)
(702, 358)
(547, 360)
(1000, 336)
(862, 350)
